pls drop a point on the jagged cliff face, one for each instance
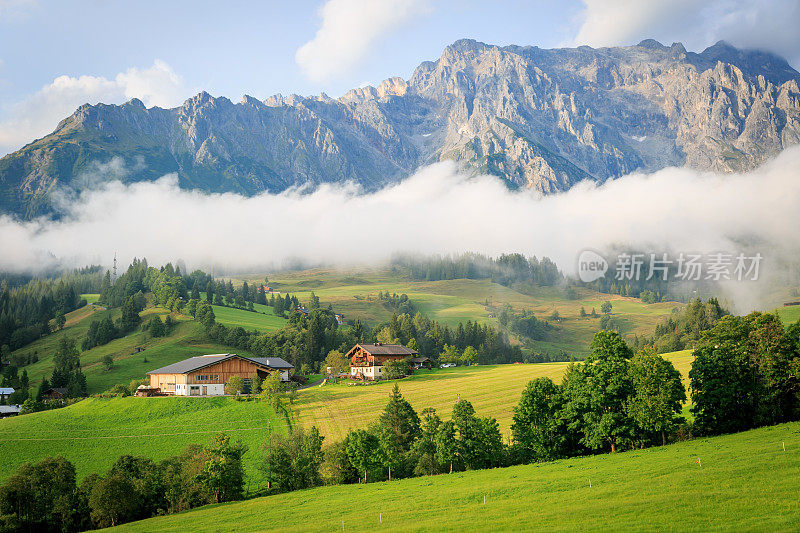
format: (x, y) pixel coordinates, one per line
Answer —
(542, 119)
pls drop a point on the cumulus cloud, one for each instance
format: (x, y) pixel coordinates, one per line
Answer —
(437, 210)
(39, 113)
(762, 24)
(349, 29)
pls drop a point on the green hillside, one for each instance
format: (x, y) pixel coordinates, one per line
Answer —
(94, 432)
(355, 294)
(744, 482)
(187, 339)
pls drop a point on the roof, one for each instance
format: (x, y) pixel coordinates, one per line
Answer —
(421, 359)
(10, 409)
(387, 349)
(192, 364)
(272, 362)
(202, 361)
(59, 390)
(6, 390)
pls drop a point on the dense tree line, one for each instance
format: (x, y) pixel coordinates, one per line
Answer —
(684, 328)
(45, 496)
(746, 374)
(505, 270)
(400, 444)
(611, 401)
(25, 311)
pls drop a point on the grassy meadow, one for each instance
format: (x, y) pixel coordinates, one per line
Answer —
(355, 294)
(789, 314)
(493, 390)
(94, 432)
(744, 482)
(263, 320)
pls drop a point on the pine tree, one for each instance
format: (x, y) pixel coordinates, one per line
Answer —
(130, 318)
(261, 296)
(210, 291)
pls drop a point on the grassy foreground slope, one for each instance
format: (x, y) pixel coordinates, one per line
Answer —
(493, 390)
(94, 432)
(745, 482)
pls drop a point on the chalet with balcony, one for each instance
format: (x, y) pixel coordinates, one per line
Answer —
(367, 360)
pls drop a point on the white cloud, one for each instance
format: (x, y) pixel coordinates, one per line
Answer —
(673, 210)
(349, 29)
(763, 24)
(39, 113)
(16, 8)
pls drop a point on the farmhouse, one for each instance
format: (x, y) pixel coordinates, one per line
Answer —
(5, 392)
(367, 360)
(206, 375)
(56, 393)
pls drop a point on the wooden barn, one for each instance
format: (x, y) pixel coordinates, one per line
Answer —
(206, 375)
(367, 360)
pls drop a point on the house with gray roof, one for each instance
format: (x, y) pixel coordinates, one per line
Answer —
(206, 375)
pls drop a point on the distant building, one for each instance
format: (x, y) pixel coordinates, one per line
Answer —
(422, 362)
(9, 410)
(367, 360)
(5, 392)
(56, 393)
(339, 319)
(206, 375)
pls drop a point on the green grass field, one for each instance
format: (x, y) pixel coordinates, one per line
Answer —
(94, 432)
(249, 320)
(789, 314)
(493, 390)
(745, 482)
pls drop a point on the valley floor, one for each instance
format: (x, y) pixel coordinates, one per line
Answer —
(743, 482)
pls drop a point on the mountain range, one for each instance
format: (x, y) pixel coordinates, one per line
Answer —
(543, 119)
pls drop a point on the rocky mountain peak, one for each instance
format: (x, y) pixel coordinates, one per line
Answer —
(538, 118)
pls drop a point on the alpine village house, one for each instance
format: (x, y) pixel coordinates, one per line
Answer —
(367, 360)
(206, 375)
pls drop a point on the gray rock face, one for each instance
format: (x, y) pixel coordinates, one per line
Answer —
(542, 119)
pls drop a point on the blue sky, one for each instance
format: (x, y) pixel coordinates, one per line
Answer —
(246, 47)
(56, 55)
